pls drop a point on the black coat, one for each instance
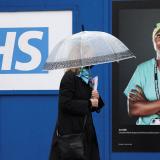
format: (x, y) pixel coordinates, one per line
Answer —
(74, 104)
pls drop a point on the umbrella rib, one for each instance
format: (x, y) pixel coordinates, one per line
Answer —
(81, 50)
(111, 48)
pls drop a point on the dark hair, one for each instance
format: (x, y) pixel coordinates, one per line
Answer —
(89, 67)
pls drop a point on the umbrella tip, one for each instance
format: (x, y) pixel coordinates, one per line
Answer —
(82, 27)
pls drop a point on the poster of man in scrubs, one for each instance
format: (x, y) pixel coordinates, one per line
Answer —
(136, 95)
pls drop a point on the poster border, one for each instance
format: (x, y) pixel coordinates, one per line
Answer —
(117, 6)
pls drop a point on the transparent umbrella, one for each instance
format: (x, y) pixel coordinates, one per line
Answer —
(87, 48)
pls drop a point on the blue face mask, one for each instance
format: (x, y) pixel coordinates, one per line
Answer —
(84, 75)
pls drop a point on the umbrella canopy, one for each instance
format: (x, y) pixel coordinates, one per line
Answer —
(87, 48)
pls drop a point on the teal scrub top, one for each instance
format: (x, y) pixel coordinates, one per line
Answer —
(144, 77)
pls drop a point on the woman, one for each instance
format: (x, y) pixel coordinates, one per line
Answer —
(76, 100)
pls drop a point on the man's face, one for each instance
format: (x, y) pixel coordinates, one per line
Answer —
(157, 41)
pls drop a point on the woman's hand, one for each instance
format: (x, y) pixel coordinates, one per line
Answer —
(94, 102)
(95, 94)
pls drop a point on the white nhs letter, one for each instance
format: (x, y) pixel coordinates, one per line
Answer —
(25, 47)
(7, 50)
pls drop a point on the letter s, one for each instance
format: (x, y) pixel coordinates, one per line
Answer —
(30, 50)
